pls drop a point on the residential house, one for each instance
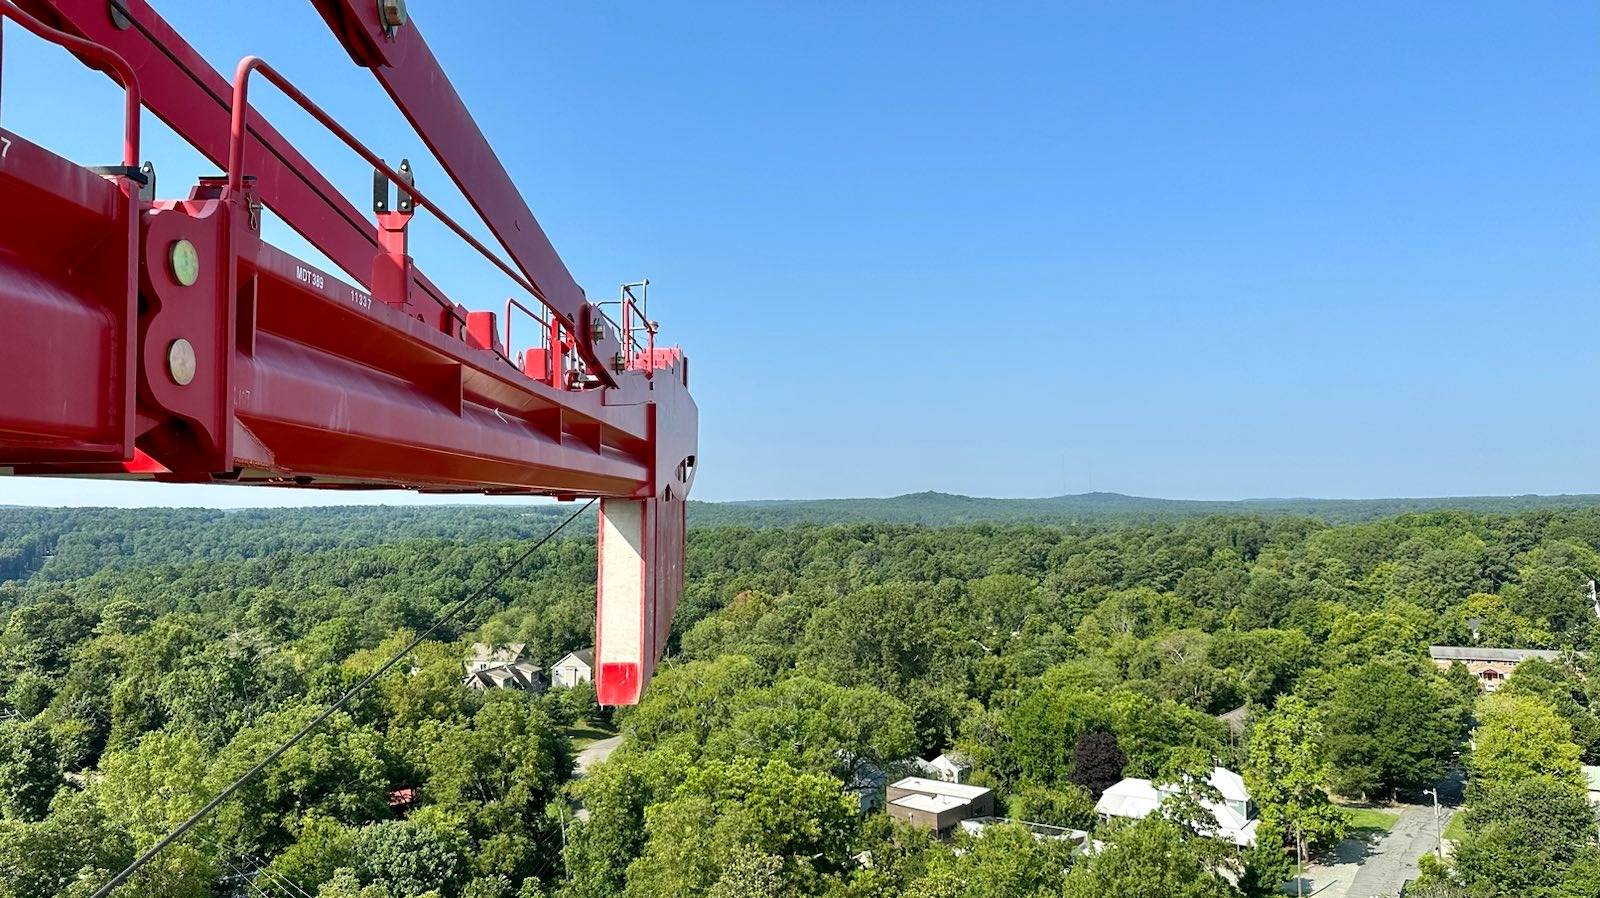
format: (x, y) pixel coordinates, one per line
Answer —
(935, 804)
(1591, 779)
(484, 656)
(402, 800)
(867, 785)
(950, 767)
(1234, 815)
(524, 676)
(502, 667)
(575, 668)
(1490, 665)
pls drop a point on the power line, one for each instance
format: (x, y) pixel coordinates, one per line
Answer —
(261, 866)
(244, 877)
(317, 721)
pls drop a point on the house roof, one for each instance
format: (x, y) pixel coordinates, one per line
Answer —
(1230, 784)
(1133, 797)
(953, 760)
(582, 656)
(522, 674)
(1244, 836)
(976, 825)
(940, 787)
(1484, 653)
(1137, 798)
(868, 776)
(511, 651)
(936, 804)
(1236, 718)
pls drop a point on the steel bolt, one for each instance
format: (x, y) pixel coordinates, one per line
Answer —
(180, 361)
(392, 13)
(185, 262)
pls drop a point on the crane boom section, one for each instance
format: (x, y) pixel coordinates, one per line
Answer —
(163, 339)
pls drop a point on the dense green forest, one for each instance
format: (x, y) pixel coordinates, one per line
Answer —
(943, 509)
(146, 658)
(67, 543)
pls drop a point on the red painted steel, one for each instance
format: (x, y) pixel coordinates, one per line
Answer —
(165, 340)
(405, 66)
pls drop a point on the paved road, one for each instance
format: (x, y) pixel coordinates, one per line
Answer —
(594, 753)
(588, 756)
(1393, 859)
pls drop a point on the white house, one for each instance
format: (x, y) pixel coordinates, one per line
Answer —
(1591, 779)
(575, 668)
(1135, 798)
(867, 786)
(950, 767)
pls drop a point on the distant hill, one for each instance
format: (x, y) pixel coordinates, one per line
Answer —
(1091, 508)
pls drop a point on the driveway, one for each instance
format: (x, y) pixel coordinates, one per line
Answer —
(594, 753)
(588, 756)
(1360, 869)
(1392, 860)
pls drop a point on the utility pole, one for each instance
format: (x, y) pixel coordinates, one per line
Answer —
(1438, 831)
(1300, 855)
(562, 807)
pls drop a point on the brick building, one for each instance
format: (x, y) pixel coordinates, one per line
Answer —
(1490, 665)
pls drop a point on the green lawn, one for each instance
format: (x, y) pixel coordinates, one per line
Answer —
(1371, 820)
(585, 733)
(1456, 829)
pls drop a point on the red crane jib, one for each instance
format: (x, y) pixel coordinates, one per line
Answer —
(164, 340)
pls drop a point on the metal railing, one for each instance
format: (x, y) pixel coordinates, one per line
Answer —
(236, 143)
(636, 330)
(545, 338)
(634, 312)
(119, 68)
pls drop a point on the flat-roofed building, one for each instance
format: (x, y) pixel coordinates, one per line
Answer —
(976, 826)
(935, 804)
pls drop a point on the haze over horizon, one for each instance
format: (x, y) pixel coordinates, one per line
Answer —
(39, 492)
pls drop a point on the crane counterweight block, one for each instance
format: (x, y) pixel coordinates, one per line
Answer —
(642, 545)
(165, 340)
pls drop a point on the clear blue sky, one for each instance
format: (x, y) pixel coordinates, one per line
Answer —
(1183, 250)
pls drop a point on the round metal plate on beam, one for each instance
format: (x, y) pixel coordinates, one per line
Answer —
(185, 261)
(181, 361)
(119, 16)
(391, 15)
